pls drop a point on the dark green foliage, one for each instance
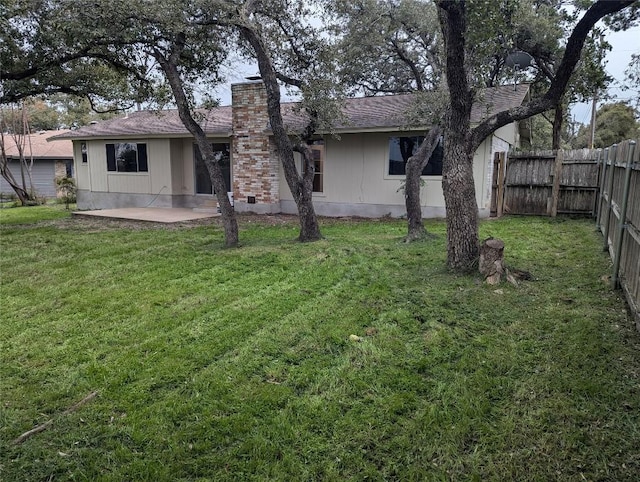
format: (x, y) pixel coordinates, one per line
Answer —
(614, 123)
(67, 187)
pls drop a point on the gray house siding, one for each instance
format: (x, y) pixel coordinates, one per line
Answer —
(42, 173)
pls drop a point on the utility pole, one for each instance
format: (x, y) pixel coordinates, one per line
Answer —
(592, 130)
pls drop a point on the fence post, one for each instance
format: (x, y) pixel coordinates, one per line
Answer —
(555, 190)
(603, 176)
(501, 179)
(612, 172)
(622, 225)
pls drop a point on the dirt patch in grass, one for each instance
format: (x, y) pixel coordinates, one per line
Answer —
(245, 220)
(97, 224)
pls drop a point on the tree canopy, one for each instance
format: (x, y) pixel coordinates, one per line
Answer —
(615, 122)
(66, 47)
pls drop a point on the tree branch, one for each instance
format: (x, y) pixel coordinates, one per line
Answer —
(289, 80)
(558, 86)
(405, 58)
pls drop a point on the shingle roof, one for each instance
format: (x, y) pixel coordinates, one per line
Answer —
(360, 113)
(496, 99)
(162, 123)
(36, 145)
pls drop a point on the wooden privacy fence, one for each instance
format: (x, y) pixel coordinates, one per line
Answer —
(545, 183)
(604, 183)
(618, 218)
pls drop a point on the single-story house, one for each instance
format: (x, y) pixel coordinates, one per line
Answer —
(50, 161)
(149, 159)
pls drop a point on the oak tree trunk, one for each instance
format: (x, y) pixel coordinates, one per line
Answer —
(301, 187)
(170, 67)
(416, 229)
(457, 166)
(462, 210)
(415, 166)
(461, 141)
(309, 228)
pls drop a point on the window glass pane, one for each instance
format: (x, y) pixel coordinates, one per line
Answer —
(111, 157)
(398, 155)
(203, 180)
(126, 157)
(222, 153)
(402, 148)
(83, 150)
(318, 168)
(142, 158)
(223, 156)
(317, 157)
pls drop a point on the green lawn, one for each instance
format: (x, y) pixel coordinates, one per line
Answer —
(214, 364)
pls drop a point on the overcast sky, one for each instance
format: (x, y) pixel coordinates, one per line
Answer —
(624, 45)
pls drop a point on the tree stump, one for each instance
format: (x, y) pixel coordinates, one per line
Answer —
(492, 260)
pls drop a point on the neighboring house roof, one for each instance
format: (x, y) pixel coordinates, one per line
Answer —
(37, 145)
(360, 114)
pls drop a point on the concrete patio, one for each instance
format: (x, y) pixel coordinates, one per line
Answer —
(156, 215)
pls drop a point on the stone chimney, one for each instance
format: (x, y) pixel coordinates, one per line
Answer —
(256, 167)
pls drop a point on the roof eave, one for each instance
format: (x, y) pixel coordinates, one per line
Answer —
(166, 135)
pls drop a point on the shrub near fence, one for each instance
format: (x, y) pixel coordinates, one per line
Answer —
(618, 218)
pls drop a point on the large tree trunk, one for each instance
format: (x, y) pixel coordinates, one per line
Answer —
(462, 210)
(415, 228)
(301, 186)
(414, 167)
(558, 117)
(457, 167)
(169, 66)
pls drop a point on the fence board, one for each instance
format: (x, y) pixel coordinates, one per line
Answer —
(591, 182)
(539, 183)
(619, 218)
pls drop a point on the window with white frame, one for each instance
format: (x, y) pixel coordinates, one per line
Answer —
(127, 157)
(402, 148)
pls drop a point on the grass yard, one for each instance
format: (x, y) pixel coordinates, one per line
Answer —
(214, 364)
